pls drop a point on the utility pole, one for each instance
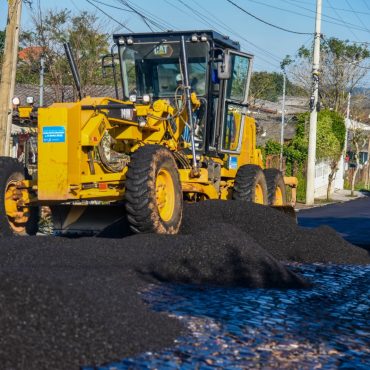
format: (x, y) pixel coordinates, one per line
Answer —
(310, 190)
(8, 71)
(282, 123)
(347, 123)
(42, 71)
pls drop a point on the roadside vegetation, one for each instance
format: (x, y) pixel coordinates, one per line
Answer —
(2, 44)
(46, 37)
(330, 141)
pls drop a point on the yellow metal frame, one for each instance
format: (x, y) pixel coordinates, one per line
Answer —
(69, 170)
(292, 182)
(16, 201)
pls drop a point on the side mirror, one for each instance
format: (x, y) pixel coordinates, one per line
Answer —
(107, 64)
(224, 67)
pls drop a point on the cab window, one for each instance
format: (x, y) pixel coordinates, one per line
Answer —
(236, 88)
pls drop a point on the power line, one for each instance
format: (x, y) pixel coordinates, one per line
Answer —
(221, 24)
(146, 16)
(339, 16)
(366, 4)
(112, 6)
(360, 20)
(142, 16)
(109, 16)
(268, 23)
(206, 19)
(224, 26)
(156, 18)
(341, 24)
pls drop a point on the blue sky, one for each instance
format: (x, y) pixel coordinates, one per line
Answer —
(345, 19)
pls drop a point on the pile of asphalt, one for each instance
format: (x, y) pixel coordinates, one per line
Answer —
(276, 233)
(71, 302)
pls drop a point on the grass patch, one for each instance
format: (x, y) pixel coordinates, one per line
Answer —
(324, 201)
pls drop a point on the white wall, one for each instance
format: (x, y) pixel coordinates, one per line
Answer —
(322, 171)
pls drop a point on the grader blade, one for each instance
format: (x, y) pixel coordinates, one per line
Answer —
(89, 220)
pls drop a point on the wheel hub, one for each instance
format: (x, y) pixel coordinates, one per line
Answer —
(258, 196)
(15, 209)
(278, 197)
(165, 195)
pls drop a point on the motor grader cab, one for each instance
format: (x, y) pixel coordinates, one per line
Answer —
(177, 130)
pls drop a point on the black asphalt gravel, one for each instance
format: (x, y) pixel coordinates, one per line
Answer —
(71, 302)
(275, 232)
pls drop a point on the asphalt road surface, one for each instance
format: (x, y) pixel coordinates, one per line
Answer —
(351, 219)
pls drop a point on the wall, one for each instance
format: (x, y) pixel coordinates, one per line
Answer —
(322, 171)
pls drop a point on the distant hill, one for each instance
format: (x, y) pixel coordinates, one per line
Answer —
(362, 91)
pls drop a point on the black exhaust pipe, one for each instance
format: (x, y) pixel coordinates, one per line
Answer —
(73, 66)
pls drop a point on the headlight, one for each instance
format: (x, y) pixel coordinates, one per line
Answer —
(146, 98)
(16, 101)
(132, 98)
(194, 37)
(30, 100)
(130, 41)
(142, 121)
(121, 40)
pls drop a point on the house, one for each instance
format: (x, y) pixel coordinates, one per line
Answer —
(29, 54)
(268, 118)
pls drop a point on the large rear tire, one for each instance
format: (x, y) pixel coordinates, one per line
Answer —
(15, 217)
(275, 187)
(250, 184)
(153, 191)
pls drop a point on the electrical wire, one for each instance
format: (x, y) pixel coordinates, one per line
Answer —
(112, 6)
(146, 16)
(366, 4)
(143, 17)
(360, 20)
(109, 16)
(339, 16)
(241, 37)
(156, 18)
(211, 17)
(325, 17)
(341, 9)
(229, 29)
(265, 22)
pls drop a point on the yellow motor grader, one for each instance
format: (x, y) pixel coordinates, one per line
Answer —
(177, 130)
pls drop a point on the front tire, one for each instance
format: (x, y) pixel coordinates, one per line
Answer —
(275, 187)
(15, 217)
(153, 191)
(250, 184)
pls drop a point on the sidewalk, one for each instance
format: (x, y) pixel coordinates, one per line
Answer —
(339, 196)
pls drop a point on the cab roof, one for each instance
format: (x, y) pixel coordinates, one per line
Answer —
(219, 40)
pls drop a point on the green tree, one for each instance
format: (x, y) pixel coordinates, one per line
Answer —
(341, 70)
(2, 41)
(2, 44)
(331, 133)
(330, 142)
(269, 86)
(49, 32)
(359, 138)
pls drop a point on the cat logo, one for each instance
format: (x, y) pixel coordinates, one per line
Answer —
(163, 51)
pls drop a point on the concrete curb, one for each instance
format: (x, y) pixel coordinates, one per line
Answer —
(339, 196)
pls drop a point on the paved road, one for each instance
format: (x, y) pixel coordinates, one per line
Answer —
(351, 219)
